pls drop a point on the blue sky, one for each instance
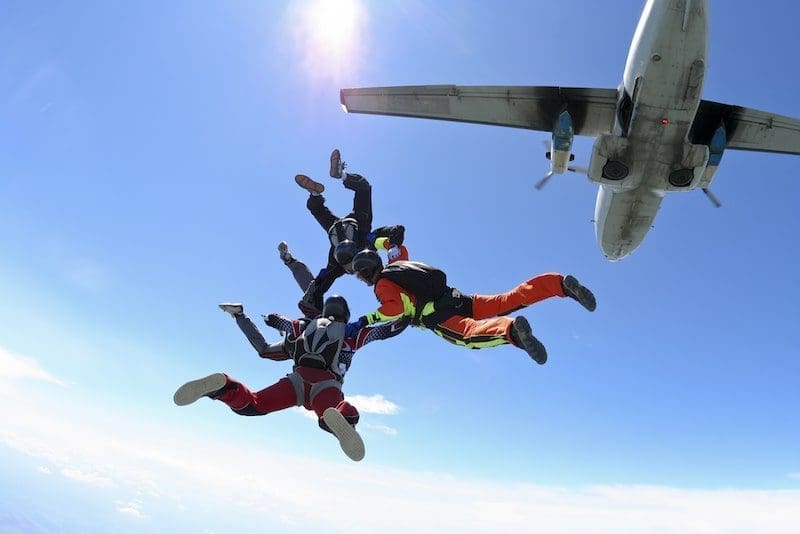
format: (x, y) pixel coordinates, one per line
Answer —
(146, 159)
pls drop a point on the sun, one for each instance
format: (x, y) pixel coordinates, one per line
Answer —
(333, 23)
(328, 32)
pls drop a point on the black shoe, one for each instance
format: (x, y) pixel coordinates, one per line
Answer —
(523, 337)
(573, 289)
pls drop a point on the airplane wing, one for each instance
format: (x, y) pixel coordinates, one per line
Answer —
(747, 129)
(533, 108)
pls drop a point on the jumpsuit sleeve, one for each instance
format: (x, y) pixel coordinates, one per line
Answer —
(293, 327)
(368, 334)
(395, 303)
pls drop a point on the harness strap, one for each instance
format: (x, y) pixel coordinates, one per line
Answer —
(320, 386)
(297, 382)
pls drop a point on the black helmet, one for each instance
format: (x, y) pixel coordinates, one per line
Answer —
(336, 307)
(367, 263)
(343, 230)
(344, 252)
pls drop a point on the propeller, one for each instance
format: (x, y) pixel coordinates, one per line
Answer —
(541, 183)
(714, 200)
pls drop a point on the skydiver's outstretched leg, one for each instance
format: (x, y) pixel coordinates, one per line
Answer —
(485, 333)
(300, 271)
(349, 439)
(240, 399)
(529, 292)
(237, 396)
(251, 332)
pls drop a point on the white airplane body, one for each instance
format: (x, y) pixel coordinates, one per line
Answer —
(654, 134)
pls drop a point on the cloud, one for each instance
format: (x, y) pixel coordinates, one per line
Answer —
(16, 367)
(130, 508)
(43, 469)
(91, 478)
(373, 404)
(140, 463)
(389, 431)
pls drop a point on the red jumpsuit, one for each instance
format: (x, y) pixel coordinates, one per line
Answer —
(315, 389)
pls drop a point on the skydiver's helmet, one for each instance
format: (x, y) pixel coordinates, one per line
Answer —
(367, 264)
(336, 307)
(342, 235)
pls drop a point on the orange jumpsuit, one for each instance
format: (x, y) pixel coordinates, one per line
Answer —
(475, 322)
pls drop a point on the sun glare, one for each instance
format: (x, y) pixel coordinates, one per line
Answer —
(333, 23)
(329, 36)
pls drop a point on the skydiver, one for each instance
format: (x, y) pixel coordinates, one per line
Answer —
(322, 350)
(347, 235)
(420, 291)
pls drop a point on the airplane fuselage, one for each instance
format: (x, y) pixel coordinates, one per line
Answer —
(648, 153)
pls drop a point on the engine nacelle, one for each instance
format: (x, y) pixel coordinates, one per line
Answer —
(715, 149)
(611, 162)
(561, 146)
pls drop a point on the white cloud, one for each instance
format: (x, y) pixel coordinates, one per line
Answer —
(142, 460)
(132, 508)
(373, 404)
(92, 478)
(43, 469)
(389, 431)
(15, 367)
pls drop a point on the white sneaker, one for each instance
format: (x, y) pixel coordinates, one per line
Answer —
(191, 391)
(283, 252)
(349, 439)
(233, 308)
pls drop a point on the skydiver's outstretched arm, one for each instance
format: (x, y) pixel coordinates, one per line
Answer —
(363, 334)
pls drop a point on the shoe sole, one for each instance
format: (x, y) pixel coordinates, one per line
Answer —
(308, 184)
(191, 391)
(239, 309)
(529, 343)
(349, 440)
(574, 289)
(336, 159)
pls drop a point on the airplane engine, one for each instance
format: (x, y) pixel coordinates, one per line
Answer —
(693, 164)
(561, 153)
(715, 149)
(611, 162)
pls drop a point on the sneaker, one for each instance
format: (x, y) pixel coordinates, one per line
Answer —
(233, 308)
(283, 252)
(349, 440)
(202, 387)
(523, 336)
(315, 188)
(337, 165)
(573, 289)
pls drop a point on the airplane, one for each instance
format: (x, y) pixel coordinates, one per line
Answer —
(654, 134)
